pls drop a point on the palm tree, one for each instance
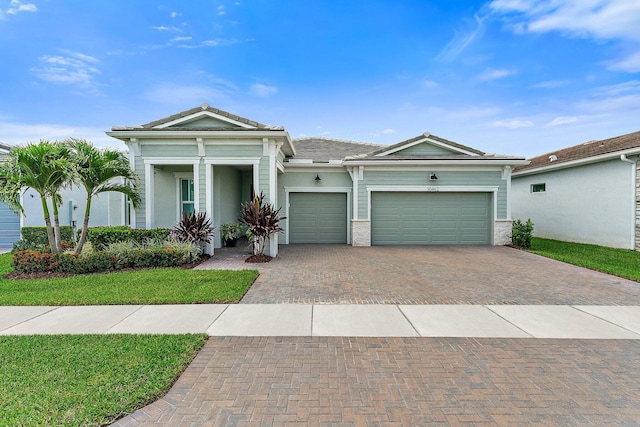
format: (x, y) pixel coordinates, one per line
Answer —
(94, 169)
(42, 167)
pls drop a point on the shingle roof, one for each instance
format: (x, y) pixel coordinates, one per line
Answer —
(4, 146)
(584, 151)
(321, 150)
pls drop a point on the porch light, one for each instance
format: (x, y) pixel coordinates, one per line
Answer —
(433, 176)
(317, 178)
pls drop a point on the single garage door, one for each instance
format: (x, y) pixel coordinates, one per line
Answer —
(317, 218)
(9, 227)
(403, 218)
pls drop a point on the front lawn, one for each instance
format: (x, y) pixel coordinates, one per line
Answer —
(156, 286)
(67, 380)
(619, 262)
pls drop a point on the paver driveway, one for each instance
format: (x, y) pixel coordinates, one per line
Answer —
(356, 381)
(427, 275)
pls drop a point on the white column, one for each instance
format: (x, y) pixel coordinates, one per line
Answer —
(208, 172)
(148, 195)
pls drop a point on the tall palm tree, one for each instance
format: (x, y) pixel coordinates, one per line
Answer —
(94, 170)
(42, 167)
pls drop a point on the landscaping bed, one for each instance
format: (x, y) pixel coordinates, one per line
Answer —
(142, 286)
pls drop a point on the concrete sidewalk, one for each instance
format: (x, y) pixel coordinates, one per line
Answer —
(487, 321)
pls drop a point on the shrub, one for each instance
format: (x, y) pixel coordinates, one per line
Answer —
(194, 228)
(35, 237)
(521, 233)
(101, 237)
(117, 256)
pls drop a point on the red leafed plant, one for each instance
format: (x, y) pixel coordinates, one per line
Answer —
(263, 221)
(194, 228)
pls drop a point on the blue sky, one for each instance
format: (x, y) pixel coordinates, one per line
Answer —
(504, 76)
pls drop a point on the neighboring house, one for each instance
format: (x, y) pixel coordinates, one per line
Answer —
(587, 193)
(426, 190)
(9, 222)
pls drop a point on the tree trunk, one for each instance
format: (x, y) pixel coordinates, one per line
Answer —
(47, 223)
(85, 227)
(56, 226)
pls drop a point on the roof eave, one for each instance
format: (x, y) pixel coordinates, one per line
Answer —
(578, 162)
(436, 162)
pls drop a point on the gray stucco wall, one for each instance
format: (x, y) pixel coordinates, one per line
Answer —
(593, 203)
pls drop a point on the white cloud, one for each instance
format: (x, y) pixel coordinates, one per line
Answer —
(629, 86)
(161, 28)
(461, 40)
(551, 84)
(495, 74)
(388, 131)
(74, 68)
(562, 120)
(17, 6)
(181, 39)
(221, 10)
(513, 124)
(261, 90)
(187, 95)
(597, 19)
(14, 133)
(174, 14)
(629, 64)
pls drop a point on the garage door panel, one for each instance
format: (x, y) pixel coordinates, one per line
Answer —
(406, 218)
(318, 218)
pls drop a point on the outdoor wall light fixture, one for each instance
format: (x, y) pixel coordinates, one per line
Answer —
(433, 177)
(317, 178)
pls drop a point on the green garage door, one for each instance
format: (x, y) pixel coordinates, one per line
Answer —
(317, 218)
(9, 227)
(401, 218)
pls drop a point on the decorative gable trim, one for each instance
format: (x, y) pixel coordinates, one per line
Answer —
(200, 114)
(454, 147)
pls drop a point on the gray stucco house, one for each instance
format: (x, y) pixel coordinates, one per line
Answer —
(587, 193)
(425, 190)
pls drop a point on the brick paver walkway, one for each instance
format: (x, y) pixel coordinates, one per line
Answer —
(316, 274)
(403, 382)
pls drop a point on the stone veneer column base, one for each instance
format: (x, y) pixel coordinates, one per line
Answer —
(360, 232)
(502, 231)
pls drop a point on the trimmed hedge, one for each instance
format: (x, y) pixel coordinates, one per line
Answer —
(101, 237)
(29, 261)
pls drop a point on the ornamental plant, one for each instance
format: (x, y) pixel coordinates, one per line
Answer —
(194, 228)
(262, 220)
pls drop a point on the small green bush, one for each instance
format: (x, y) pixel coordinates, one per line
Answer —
(101, 237)
(36, 237)
(521, 233)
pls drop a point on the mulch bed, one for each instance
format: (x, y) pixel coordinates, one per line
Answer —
(16, 275)
(258, 258)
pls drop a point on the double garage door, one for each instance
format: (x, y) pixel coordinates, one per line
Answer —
(405, 218)
(318, 218)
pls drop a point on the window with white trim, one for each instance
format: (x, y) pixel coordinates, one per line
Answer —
(187, 200)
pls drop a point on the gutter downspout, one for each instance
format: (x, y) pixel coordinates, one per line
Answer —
(633, 199)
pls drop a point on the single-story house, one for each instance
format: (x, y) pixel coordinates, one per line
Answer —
(9, 221)
(422, 191)
(588, 193)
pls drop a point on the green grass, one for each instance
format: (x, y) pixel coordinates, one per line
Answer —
(66, 380)
(156, 286)
(619, 262)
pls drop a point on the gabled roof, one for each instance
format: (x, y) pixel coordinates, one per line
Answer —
(5, 147)
(454, 147)
(588, 151)
(321, 150)
(181, 121)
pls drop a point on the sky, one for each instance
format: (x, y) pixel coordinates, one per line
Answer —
(517, 77)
